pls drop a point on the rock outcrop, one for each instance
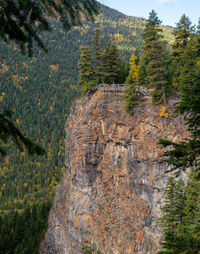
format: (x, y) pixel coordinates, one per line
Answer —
(112, 191)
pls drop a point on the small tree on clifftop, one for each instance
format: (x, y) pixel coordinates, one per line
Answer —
(97, 55)
(182, 33)
(130, 93)
(152, 72)
(87, 79)
(111, 63)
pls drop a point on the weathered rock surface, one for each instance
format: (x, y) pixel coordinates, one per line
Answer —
(111, 193)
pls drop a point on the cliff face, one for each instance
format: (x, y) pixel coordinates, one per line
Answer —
(111, 193)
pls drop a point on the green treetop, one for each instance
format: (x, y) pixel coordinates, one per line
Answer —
(97, 54)
(198, 28)
(182, 33)
(130, 93)
(192, 218)
(185, 154)
(173, 216)
(152, 73)
(111, 63)
(87, 79)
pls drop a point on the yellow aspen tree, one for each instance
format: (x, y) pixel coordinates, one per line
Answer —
(133, 72)
(130, 93)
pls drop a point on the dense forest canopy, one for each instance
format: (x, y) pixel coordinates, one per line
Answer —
(40, 91)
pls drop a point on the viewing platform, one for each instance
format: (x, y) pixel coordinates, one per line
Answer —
(119, 89)
(112, 89)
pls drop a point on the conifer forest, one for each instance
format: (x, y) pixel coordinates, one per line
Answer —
(48, 63)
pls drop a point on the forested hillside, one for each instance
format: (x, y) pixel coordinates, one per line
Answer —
(40, 91)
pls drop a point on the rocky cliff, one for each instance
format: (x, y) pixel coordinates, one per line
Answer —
(112, 191)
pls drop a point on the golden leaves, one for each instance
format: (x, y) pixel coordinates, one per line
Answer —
(163, 112)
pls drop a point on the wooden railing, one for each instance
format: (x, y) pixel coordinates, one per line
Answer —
(115, 88)
(119, 89)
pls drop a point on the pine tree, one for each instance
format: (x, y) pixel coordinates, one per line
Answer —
(182, 33)
(153, 72)
(185, 154)
(192, 218)
(98, 55)
(173, 216)
(131, 99)
(111, 63)
(130, 93)
(87, 79)
(151, 34)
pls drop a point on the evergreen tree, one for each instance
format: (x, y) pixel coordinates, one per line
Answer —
(111, 63)
(87, 79)
(153, 72)
(130, 93)
(185, 154)
(182, 33)
(192, 218)
(131, 99)
(198, 28)
(137, 54)
(97, 55)
(173, 216)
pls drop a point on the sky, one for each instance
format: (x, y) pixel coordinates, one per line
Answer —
(169, 11)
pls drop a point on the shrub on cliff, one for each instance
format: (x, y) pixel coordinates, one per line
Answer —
(88, 250)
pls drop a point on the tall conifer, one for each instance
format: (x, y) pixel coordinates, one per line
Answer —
(152, 72)
(192, 218)
(173, 216)
(182, 33)
(130, 93)
(87, 79)
(186, 154)
(98, 55)
(111, 63)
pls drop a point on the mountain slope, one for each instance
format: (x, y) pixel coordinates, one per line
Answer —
(40, 92)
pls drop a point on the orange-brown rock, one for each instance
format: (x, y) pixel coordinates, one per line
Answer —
(112, 191)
